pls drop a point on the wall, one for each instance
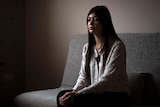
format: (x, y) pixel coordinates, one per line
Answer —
(12, 49)
(51, 23)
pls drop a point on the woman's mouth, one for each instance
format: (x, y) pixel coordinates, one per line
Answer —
(91, 28)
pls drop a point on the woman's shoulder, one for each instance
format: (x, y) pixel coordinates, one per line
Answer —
(85, 45)
(85, 48)
(117, 42)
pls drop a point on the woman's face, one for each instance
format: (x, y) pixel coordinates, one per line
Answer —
(94, 26)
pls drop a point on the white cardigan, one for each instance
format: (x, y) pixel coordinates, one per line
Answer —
(112, 77)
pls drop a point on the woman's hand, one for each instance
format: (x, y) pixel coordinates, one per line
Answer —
(64, 100)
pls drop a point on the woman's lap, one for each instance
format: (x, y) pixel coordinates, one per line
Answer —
(112, 99)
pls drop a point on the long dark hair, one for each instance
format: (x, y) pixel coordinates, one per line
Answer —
(108, 30)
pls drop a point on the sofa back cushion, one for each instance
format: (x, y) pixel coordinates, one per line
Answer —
(143, 55)
(73, 62)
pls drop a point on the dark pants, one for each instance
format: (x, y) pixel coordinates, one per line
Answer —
(107, 99)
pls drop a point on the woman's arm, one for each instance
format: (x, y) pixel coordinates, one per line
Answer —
(82, 80)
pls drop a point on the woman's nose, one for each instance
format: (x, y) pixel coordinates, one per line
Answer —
(92, 22)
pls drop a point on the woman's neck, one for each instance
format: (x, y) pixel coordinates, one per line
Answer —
(99, 41)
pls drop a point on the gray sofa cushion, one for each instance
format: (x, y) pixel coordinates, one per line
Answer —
(39, 98)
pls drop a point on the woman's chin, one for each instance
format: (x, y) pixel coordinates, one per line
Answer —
(91, 31)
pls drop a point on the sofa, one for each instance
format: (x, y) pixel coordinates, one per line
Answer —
(143, 70)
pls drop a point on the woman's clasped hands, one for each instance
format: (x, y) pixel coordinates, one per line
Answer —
(64, 100)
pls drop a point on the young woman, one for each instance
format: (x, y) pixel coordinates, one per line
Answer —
(102, 79)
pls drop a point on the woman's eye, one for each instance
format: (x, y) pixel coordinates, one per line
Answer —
(89, 19)
(96, 19)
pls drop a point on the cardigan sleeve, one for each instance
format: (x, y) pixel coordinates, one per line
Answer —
(114, 76)
(82, 80)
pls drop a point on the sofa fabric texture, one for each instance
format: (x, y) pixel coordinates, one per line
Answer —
(143, 69)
